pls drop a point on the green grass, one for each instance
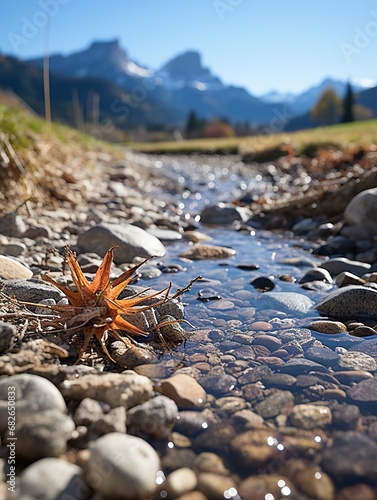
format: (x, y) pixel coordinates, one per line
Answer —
(363, 132)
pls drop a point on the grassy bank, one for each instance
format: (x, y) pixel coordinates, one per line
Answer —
(363, 132)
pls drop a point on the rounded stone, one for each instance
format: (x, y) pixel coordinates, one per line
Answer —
(64, 480)
(309, 416)
(184, 390)
(179, 482)
(353, 360)
(131, 241)
(222, 214)
(329, 327)
(203, 252)
(316, 274)
(262, 487)
(362, 208)
(122, 466)
(350, 302)
(155, 417)
(43, 435)
(12, 269)
(33, 395)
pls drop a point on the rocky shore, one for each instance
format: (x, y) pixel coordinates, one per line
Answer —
(269, 392)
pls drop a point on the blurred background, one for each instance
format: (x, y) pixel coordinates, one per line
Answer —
(174, 69)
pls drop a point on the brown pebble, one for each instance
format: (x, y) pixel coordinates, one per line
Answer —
(356, 491)
(272, 343)
(329, 327)
(281, 353)
(184, 390)
(261, 326)
(335, 393)
(288, 278)
(271, 361)
(363, 331)
(352, 376)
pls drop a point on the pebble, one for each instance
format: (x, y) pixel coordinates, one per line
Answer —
(272, 343)
(285, 301)
(216, 486)
(338, 265)
(31, 290)
(352, 360)
(346, 417)
(43, 434)
(359, 491)
(12, 269)
(202, 252)
(179, 482)
(351, 455)
(311, 480)
(126, 389)
(263, 284)
(218, 385)
(350, 302)
(368, 346)
(64, 479)
(155, 417)
(329, 327)
(309, 416)
(255, 448)
(223, 214)
(185, 391)
(33, 394)
(298, 366)
(364, 391)
(12, 249)
(322, 355)
(131, 242)
(346, 278)
(278, 402)
(352, 376)
(209, 462)
(122, 466)
(316, 274)
(8, 336)
(363, 331)
(262, 487)
(362, 208)
(12, 224)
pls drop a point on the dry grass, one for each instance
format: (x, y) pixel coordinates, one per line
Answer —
(364, 132)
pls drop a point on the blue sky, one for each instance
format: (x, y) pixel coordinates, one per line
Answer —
(261, 45)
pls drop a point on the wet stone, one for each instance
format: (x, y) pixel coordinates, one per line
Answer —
(263, 487)
(191, 423)
(351, 302)
(298, 366)
(329, 327)
(322, 355)
(357, 491)
(254, 448)
(349, 377)
(209, 462)
(279, 380)
(202, 252)
(310, 416)
(357, 361)
(272, 343)
(363, 331)
(286, 301)
(263, 284)
(8, 336)
(184, 390)
(346, 417)
(364, 391)
(278, 402)
(352, 455)
(218, 385)
(367, 346)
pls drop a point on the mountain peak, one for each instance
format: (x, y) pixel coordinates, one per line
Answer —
(185, 66)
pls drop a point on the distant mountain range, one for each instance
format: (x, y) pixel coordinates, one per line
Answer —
(131, 94)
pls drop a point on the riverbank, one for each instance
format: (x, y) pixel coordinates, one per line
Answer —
(271, 387)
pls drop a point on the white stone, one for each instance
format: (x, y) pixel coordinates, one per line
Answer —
(362, 208)
(122, 466)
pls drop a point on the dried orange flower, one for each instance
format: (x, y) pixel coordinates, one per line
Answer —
(95, 308)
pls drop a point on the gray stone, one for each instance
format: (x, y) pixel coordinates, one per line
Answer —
(8, 335)
(89, 410)
(12, 269)
(64, 480)
(286, 301)
(33, 394)
(273, 405)
(309, 416)
(352, 455)
(297, 366)
(166, 235)
(12, 224)
(354, 360)
(351, 302)
(368, 346)
(113, 421)
(322, 355)
(316, 274)
(224, 213)
(346, 278)
(341, 264)
(126, 389)
(12, 249)
(203, 252)
(218, 385)
(43, 434)
(132, 241)
(362, 208)
(122, 466)
(31, 290)
(154, 418)
(364, 391)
